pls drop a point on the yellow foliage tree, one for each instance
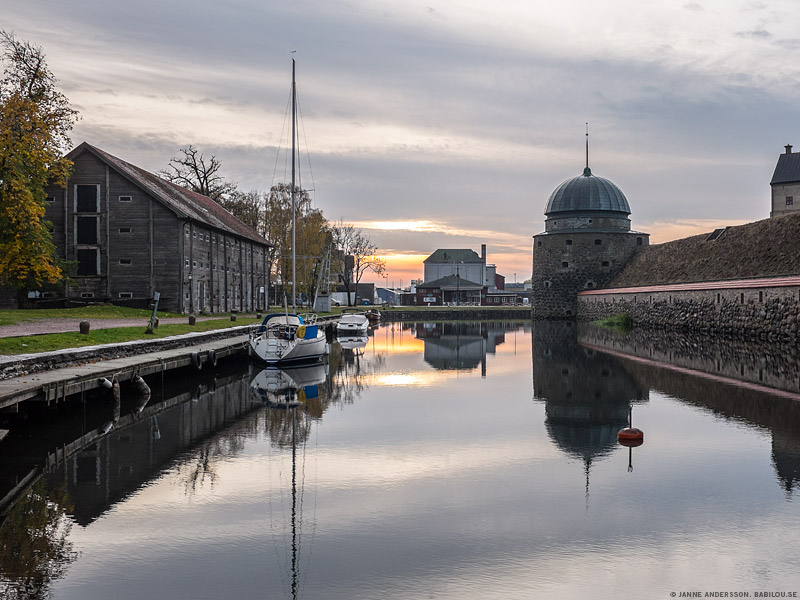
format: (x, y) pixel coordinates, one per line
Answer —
(35, 120)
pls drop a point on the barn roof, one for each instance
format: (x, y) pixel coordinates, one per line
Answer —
(184, 203)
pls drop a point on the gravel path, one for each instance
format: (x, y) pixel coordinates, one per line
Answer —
(65, 325)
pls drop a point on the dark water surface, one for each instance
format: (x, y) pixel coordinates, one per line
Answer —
(459, 460)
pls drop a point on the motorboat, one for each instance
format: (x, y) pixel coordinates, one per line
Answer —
(352, 324)
(287, 338)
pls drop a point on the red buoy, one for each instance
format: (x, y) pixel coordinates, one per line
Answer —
(630, 437)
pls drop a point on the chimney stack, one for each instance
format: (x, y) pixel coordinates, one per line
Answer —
(788, 148)
(483, 252)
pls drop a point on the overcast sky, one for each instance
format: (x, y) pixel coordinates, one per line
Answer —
(445, 124)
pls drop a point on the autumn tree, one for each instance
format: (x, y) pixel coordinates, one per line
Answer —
(312, 236)
(356, 255)
(193, 171)
(245, 206)
(35, 121)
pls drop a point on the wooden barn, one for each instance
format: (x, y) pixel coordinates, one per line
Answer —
(132, 234)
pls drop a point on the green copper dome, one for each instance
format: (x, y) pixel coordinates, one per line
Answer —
(587, 193)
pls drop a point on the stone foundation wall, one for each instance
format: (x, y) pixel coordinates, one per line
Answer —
(768, 312)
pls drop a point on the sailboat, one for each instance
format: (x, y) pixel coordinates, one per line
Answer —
(289, 337)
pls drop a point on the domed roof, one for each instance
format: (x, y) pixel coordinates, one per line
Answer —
(587, 193)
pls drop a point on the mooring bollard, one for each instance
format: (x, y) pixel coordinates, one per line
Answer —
(84, 327)
(233, 316)
(192, 319)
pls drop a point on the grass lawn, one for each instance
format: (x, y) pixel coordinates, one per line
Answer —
(103, 311)
(57, 341)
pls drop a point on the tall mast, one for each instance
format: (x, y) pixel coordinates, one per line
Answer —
(587, 145)
(294, 216)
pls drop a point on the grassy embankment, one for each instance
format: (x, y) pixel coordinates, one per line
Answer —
(56, 341)
(621, 323)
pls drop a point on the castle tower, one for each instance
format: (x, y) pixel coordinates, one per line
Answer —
(587, 240)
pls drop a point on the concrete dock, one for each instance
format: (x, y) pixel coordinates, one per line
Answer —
(55, 384)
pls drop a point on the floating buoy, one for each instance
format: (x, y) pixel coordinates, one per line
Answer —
(630, 437)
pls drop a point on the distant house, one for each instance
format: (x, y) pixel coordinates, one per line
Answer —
(785, 184)
(458, 276)
(132, 233)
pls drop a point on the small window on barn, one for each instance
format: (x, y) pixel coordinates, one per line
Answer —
(194, 234)
(124, 261)
(88, 261)
(50, 199)
(87, 294)
(598, 242)
(569, 242)
(126, 294)
(789, 200)
(125, 199)
(124, 229)
(208, 237)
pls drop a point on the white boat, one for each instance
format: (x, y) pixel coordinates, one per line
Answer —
(287, 338)
(352, 324)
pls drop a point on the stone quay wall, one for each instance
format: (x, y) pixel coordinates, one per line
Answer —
(766, 309)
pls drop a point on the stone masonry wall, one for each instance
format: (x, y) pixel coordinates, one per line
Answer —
(768, 312)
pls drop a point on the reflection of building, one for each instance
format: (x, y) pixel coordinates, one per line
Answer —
(118, 463)
(736, 379)
(587, 394)
(458, 345)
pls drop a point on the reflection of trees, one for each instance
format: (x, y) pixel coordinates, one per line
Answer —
(349, 372)
(34, 550)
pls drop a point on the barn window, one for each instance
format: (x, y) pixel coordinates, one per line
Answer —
(124, 261)
(124, 229)
(88, 261)
(86, 230)
(126, 294)
(125, 199)
(50, 199)
(87, 294)
(87, 198)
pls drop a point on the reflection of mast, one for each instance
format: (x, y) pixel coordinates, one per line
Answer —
(294, 502)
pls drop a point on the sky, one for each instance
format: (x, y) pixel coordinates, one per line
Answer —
(444, 124)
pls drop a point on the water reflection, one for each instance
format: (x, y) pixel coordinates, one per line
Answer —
(462, 345)
(589, 377)
(588, 395)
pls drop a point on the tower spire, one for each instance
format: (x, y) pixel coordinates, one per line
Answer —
(587, 171)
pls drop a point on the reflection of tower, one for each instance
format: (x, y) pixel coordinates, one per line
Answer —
(587, 395)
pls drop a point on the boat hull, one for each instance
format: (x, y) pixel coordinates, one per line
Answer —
(275, 351)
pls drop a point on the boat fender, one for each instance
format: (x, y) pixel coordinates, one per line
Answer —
(212, 359)
(196, 362)
(301, 332)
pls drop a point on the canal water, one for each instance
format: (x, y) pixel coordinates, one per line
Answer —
(429, 460)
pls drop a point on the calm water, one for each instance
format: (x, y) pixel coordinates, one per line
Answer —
(437, 461)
